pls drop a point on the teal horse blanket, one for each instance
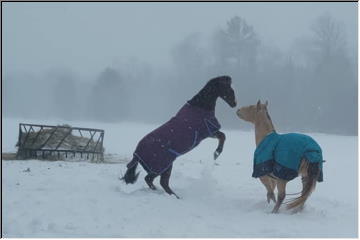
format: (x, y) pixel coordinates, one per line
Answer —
(281, 155)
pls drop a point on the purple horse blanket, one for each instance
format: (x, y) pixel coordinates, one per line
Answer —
(158, 149)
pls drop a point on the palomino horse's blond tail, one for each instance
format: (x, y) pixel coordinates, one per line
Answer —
(313, 172)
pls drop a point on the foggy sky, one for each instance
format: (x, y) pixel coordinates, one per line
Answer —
(87, 37)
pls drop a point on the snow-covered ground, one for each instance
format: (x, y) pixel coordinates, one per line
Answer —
(81, 199)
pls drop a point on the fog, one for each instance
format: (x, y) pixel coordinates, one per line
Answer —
(114, 62)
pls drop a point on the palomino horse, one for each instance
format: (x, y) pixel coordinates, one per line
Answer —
(194, 122)
(279, 158)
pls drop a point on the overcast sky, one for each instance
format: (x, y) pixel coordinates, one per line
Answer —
(86, 37)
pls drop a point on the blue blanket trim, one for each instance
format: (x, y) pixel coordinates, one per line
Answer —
(320, 178)
(174, 152)
(270, 166)
(192, 146)
(194, 142)
(210, 125)
(282, 172)
(147, 168)
(143, 163)
(312, 164)
(263, 168)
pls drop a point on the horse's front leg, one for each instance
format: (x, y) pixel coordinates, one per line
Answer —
(281, 186)
(267, 182)
(149, 180)
(221, 137)
(164, 182)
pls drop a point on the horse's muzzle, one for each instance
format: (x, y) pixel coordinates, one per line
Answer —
(233, 104)
(238, 113)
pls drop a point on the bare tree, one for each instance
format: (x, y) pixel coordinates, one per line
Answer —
(107, 98)
(328, 37)
(65, 95)
(237, 43)
(332, 83)
(189, 58)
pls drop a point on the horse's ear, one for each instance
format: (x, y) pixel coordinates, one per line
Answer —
(258, 105)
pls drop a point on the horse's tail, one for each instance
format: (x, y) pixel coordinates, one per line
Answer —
(313, 171)
(131, 176)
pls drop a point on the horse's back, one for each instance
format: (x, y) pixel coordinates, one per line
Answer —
(292, 149)
(299, 146)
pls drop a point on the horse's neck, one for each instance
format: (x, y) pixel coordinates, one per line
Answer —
(263, 127)
(205, 99)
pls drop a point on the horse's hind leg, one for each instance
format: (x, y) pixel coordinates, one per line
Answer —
(164, 181)
(304, 181)
(267, 181)
(149, 180)
(281, 185)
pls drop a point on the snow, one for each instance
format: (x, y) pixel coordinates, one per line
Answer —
(83, 199)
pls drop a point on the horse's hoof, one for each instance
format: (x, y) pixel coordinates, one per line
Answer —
(216, 154)
(151, 186)
(176, 196)
(275, 211)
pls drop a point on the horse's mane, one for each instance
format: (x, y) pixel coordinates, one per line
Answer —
(269, 118)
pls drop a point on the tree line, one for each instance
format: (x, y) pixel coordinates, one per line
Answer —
(313, 87)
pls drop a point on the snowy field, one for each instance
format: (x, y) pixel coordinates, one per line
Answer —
(81, 199)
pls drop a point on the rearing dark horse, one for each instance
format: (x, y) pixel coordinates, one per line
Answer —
(194, 122)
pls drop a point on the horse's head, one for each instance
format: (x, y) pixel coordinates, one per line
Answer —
(253, 112)
(214, 88)
(224, 89)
